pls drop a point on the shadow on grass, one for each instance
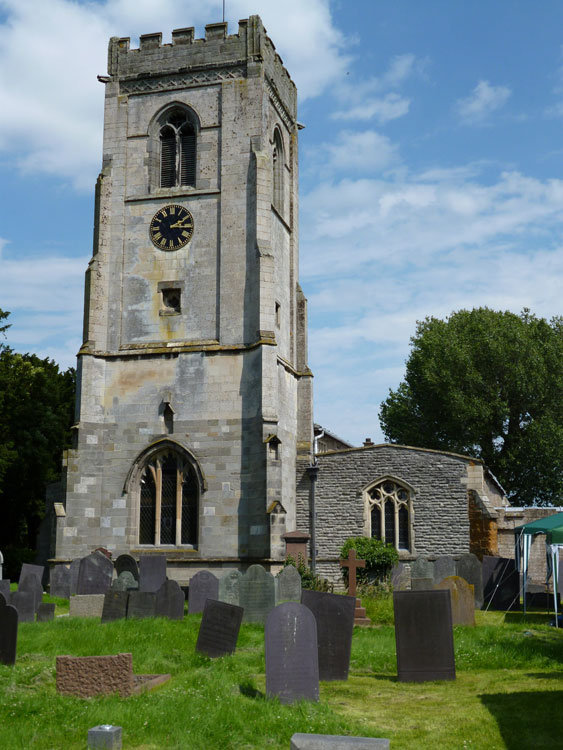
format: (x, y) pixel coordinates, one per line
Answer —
(249, 691)
(527, 719)
(546, 675)
(530, 618)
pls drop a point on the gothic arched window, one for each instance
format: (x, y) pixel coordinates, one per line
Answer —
(390, 513)
(278, 169)
(177, 149)
(169, 496)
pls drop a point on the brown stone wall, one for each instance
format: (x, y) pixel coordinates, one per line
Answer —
(482, 530)
(86, 676)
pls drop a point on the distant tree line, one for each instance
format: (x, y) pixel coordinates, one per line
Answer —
(36, 413)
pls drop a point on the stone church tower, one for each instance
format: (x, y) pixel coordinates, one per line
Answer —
(194, 400)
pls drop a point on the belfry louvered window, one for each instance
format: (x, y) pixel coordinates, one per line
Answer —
(277, 172)
(168, 501)
(389, 513)
(177, 151)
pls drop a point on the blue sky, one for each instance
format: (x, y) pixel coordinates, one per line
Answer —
(431, 168)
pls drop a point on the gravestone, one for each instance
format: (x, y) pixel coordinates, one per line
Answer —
(399, 576)
(152, 572)
(5, 588)
(301, 741)
(74, 569)
(170, 601)
(125, 582)
(292, 665)
(444, 567)
(334, 615)
(537, 597)
(257, 594)
(204, 585)
(115, 605)
(127, 563)
(33, 585)
(288, 585)
(462, 599)
(424, 636)
(8, 632)
(105, 737)
(59, 583)
(229, 587)
(141, 604)
(469, 567)
(45, 612)
(422, 584)
(501, 584)
(94, 574)
(32, 570)
(422, 567)
(24, 602)
(219, 629)
(86, 605)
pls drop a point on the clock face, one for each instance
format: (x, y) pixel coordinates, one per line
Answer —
(171, 227)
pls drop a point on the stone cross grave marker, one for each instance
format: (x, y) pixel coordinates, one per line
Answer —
(32, 584)
(501, 584)
(352, 563)
(292, 662)
(219, 629)
(127, 563)
(469, 567)
(152, 572)
(334, 615)
(32, 570)
(8, 632)
(424, 636)
(94, 574)
(141, 604)
(257, 594)
(45, 612)
(462, 599)
(170, 601)
(204, 585)
(59, 582)
(115, 605)
(229, 587)
(24, 602)
(288, 585)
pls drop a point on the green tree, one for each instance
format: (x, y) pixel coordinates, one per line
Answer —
(36, 411)
(488, 384)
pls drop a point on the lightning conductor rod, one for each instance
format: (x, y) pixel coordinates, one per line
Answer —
(223, 11)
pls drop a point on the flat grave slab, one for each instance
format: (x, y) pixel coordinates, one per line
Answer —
(115, 605)
(334, 615)
(94, 574)
(141, 604)
(59, 582)
(170, 601)
(219, 629)
(424, 636)
(86, 605)
(203, 585)
(335, 742)
(8, 632)
(257, 594)
(292, 664)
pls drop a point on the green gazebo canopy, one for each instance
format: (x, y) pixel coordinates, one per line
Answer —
(552, 527)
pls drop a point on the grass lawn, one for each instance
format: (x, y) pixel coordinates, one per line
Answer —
(508, 693)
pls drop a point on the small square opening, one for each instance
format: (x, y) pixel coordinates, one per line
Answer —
(171, 301)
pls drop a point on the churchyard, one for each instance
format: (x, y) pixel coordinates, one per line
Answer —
(506, 693)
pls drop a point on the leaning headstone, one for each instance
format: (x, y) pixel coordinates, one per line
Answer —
(59, 582)
(45, 612)
(104, 737)
(125, 582)
(229, 587)
(33, 585)
(86, 605)
(257, 594)
(219, 629)
(170, 601)
(8, 632)
(74, 568)
(292, 665)
(444, 567)
(334, 615)
(141, 604)
(127, 563)
(422, 567)
(501, 584)
(288, 585)
(115, 605)
(152, 572)
(462, 599)
(24, 602)
(469, 567)
(204, 585)
(32, 570)
(94, 574)
(335, 742)
(424, 636)
(5, 588)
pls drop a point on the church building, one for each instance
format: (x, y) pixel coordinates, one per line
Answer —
(194, 425)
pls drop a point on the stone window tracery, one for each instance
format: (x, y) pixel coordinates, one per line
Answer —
(278, 167)
(390, 513)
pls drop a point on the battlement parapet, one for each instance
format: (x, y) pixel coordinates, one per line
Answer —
(249, 51)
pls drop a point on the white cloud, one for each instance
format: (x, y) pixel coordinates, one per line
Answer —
(51, 52)
(390, 107)
(366, 151)
(482, 102)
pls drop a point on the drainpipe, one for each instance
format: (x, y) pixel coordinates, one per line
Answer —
(313, 472)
